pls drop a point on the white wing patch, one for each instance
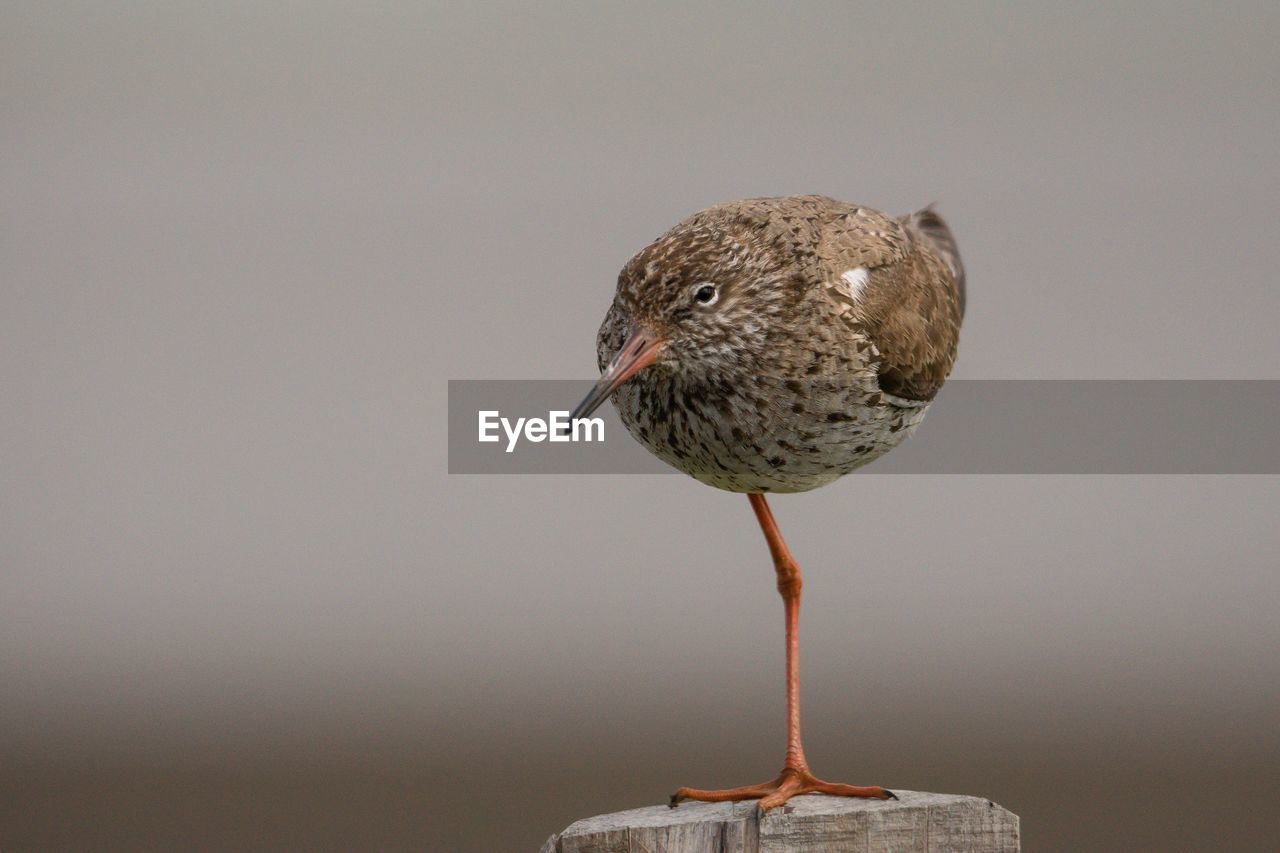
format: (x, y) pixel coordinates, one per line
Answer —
(857, 280)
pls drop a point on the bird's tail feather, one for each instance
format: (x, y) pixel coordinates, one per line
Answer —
(927, 225)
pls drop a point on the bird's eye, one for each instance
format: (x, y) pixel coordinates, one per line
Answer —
(706, 294)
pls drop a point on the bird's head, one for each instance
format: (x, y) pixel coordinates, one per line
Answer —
(702, 299)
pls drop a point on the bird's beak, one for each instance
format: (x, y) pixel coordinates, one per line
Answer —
(636, 354)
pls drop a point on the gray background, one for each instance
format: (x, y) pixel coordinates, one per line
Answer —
(242, 603)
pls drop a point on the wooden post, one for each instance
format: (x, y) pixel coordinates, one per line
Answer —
(928, 823)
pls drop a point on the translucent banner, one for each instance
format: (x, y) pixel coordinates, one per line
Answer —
(973, 427)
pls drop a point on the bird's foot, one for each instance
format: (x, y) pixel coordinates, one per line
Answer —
(792, 782)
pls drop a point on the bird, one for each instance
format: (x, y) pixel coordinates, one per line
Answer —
(773, 345)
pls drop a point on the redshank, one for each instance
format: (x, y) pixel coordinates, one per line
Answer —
(774, 345)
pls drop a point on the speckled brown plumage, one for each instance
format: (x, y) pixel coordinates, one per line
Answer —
(790, 379)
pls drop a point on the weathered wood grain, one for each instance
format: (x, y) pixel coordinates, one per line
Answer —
(929, 823)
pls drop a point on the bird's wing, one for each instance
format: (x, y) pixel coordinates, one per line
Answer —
(927, 227)
(896, 288)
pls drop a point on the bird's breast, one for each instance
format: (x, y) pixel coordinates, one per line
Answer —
(764, 434)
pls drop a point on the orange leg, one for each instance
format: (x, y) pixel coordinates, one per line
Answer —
(795, 777)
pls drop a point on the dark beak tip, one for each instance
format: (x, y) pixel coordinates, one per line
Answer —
(585, 409)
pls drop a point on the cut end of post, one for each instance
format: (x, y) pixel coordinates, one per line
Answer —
(911, 821)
